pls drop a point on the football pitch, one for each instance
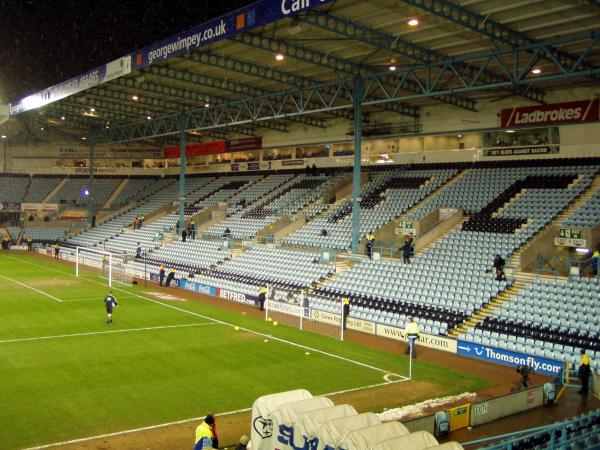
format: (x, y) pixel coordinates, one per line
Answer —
(65, 374)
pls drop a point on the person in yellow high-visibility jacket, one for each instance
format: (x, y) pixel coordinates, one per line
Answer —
(206, 434)
(412, 333)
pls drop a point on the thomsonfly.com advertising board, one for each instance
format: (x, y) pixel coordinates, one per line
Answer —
(508, 358)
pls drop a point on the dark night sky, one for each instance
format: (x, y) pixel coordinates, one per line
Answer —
(44, 42)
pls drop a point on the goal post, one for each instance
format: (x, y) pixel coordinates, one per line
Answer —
(300, 312)
(108, 265)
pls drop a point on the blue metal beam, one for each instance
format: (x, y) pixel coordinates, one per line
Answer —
(434, 79)
(157, 106)
(183, 124)
(198, 79)
(338, 65)
(357, 95)
(496, 31)
(267, 73)
(91, 140)
(398, 45)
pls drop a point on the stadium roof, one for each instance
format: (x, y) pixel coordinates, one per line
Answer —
(406, 54)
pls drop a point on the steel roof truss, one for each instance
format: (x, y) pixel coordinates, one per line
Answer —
(398, 45)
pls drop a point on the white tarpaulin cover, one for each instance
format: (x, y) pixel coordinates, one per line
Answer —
(306, 425)
(366, 438)
(262, 426)
(333, 432)
(283, 419)
(418, 440)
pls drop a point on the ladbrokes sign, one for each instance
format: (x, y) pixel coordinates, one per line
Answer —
(556, 113)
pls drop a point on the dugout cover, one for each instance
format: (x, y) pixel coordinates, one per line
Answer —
(418, 440)
(333, 432)
(368, 437)
(262, 425)
(307, 424)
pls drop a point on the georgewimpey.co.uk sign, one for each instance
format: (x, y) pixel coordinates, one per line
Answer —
(555, 113)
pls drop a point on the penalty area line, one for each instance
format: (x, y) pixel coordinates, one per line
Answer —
(194, 419)
(32, 288)
(94, 333)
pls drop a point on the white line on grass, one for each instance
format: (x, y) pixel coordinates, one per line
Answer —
(32, 288)
(194, 419)
(90, 299)
(92, 333)
(294, 344)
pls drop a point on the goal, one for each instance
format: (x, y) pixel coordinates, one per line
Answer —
(107, 265)
(299, 312)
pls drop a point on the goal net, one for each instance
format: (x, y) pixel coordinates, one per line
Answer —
(110, 266)
(300, 311)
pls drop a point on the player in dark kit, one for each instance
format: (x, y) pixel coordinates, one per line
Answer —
(111, 303)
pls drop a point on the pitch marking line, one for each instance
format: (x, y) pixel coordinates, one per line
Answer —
(95, 299)
(32, 288)
(93, 333)
(194, 419)
(185, 311)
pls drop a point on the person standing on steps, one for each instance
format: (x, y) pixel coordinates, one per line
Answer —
(584, 372)
(370, 244)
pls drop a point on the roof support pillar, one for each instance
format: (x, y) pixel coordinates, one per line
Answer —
(183, 124)
(357, 97)
(90, 189)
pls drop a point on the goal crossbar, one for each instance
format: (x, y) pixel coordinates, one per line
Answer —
(105, 258)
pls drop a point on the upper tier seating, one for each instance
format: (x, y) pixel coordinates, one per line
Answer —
(387, 196)
(286, 195)
(134, 188)
(72, 192)
(40, 188)
(13, 188)
(570, 321)
(588, 215)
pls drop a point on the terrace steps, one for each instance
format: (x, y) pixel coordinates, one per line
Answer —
(580, 201)
(56, 189)
(489, 309)
(433, 193)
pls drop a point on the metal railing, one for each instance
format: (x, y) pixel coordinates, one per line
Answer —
(562, 435)
(583, 268)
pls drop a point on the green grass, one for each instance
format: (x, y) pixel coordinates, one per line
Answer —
(96, 382)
